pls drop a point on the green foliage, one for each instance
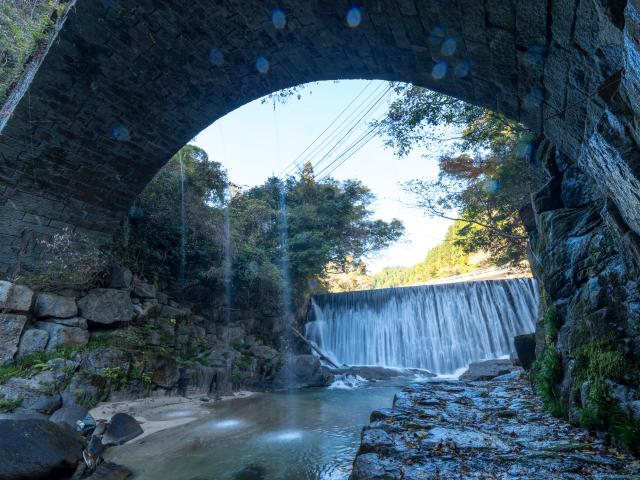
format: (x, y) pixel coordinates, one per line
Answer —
(597, 362)
(24, 26)
(547, 369)
(7, 405)
(112, 373)
(150, 240)
(485, 178)
(330, 227)
(33, 363)
(444, 260)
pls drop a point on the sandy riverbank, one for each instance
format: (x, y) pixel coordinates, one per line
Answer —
(160, 413)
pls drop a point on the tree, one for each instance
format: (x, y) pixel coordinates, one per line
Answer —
(150, 239)
(486, 176)
(330, 230)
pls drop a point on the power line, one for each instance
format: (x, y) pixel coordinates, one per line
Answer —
(293, 162)
(344, 128)
(356, 124)
(356, 146)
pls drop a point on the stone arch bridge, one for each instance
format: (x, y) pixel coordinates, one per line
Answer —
(126, 83)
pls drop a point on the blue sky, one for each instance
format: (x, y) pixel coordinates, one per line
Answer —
(254, 142)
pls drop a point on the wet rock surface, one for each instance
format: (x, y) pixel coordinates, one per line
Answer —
(486, 430)
(487, 370)
(37, 449)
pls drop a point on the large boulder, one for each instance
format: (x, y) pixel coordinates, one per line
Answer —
(121, 429)
(61, 336)
(487, 370)
(11, 326)
(526, 349)
(51, 305)
(120, 277)
(15, 297)
(299, 371)
(69, 415)
(37, 449)
(107, 306)
(32, 341)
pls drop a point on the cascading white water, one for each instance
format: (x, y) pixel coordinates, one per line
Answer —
(441, 328)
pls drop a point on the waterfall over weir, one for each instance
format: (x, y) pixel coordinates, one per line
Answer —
(440, 328)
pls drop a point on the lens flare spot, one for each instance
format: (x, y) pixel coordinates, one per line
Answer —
(439, 70)
(449, 47)
(262, 64)
(462, 68)
(119, 132)
(279, 19)
(354, 17)
(491, 186)
(216, 57)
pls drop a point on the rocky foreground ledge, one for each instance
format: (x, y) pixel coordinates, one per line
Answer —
(487, 430)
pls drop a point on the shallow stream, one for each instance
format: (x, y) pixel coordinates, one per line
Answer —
(312, 434)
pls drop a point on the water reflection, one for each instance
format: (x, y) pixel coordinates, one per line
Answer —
(311, 435)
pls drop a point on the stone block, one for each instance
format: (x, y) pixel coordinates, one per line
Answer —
(52, 305)
(11, 326)
(106, 306)
(32, 341)
(14, 297)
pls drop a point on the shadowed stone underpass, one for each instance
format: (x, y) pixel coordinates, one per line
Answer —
(127, 83)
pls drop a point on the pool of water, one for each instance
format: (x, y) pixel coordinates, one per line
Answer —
(312, 434)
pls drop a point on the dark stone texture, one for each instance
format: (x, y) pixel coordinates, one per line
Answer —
(121, 429)
(526, 349)
(68, 415)
(110, 471)
(11, 326)
(586, 257)
(52, 305)
(120, 277)
(66, 154)
(37, 449)
(300, 371)
(33, 340)
(487, 370)
(14, 297)
(106, 306)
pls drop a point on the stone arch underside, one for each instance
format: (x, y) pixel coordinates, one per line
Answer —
(126, 83)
